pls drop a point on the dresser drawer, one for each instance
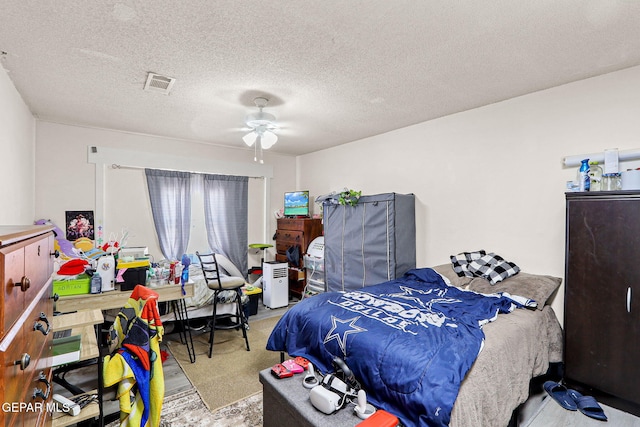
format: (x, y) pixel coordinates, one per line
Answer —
(291, 224)
(38, 333)
(25, 363)
(289, 238)
(24, 268)
(12, 375)
(26, 314)
(41, 383)
(11, 272)
(38, 265)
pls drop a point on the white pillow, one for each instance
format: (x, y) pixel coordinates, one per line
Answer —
(226, 264)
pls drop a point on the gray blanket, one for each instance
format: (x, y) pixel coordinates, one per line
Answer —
(517, 348)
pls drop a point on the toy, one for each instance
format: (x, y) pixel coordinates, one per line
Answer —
(84, 244)
(65, 246)
(72, 267)
(112, 246)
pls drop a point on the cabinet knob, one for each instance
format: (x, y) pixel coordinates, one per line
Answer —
(37, 326)
(25, 283)
(55, 253)
(24, 361)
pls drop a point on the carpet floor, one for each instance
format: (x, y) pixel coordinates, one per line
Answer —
(187, 409)
(231, 374)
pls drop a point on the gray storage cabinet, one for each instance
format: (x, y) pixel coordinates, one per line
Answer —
(370, 243)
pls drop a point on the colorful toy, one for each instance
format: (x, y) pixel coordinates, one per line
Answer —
(73, 267)
(84, 244)
(64, 245)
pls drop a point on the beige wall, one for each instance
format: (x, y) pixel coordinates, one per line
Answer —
(490, 178)
(17, 151)
(487, 178)
(66, 181)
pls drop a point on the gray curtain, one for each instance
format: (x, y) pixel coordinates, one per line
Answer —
(170, 196)
(226, 217)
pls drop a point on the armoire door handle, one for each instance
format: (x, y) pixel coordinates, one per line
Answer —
(629, 299)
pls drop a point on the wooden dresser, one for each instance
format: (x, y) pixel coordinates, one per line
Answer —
(296, 232)
(26, 265)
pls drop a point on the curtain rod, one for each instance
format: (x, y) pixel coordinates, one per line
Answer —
(117, 166)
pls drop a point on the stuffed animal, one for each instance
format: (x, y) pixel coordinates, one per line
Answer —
(66, 247)
(84, 244)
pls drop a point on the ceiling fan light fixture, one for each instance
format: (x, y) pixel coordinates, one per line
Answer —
(262, 125)
(250, 138)
(267, 139)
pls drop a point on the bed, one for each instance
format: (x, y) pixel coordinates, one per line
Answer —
(381, 332)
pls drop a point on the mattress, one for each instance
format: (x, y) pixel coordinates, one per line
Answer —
(518, 347)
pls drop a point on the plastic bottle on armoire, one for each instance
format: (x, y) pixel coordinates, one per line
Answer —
(584, 181)
(595, 176)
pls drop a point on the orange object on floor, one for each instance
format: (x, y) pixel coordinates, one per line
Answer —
(380, 418)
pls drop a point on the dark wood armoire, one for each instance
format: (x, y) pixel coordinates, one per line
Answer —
(602, 296)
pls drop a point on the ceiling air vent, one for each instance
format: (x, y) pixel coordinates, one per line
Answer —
(158, 83)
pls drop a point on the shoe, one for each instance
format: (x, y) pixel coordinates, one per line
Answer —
(588, 405)
(560, 394)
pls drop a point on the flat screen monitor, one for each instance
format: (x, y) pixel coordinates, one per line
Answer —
(296, 203)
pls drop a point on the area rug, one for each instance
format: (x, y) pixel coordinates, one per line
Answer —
(187, 409)
(232, 373)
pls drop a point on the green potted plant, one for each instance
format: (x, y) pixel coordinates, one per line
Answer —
(349, 197)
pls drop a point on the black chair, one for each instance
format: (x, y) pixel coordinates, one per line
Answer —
(218, 283)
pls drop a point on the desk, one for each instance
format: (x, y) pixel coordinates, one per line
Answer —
(117, 299)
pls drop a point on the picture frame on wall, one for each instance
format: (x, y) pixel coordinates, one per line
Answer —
(79, 224)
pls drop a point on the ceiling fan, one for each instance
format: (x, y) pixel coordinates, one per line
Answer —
(262, 126)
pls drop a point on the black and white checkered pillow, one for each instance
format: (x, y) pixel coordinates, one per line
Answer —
(493, 268)
(461, 262)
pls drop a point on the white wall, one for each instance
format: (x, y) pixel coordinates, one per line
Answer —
(490, 178)
(17, 152)
(66, 181)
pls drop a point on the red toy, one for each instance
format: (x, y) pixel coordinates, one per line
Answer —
(279, 371)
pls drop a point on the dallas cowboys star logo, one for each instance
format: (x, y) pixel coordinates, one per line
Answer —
(341, 329)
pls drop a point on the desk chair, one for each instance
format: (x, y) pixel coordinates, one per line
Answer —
(217, 284)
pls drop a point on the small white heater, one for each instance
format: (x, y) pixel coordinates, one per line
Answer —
(275, 284)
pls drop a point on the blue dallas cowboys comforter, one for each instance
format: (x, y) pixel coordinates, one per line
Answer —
(409, 342)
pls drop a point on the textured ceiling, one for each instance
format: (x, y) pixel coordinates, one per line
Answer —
(334, 71)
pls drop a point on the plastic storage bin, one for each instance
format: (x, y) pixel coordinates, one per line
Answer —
(78, 286)
(254, 295)
(133, 277)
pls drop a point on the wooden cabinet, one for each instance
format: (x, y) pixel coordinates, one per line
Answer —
(602, 296)
(298, 232)
(25, 325)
